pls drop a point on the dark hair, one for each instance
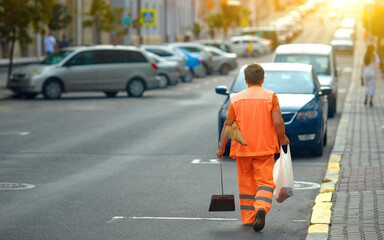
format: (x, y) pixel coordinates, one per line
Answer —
(254, 73)
(369, 54)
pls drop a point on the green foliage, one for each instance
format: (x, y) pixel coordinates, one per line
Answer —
(196, 29)
(105, 18)
(61, 17)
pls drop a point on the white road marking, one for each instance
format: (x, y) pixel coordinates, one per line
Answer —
(15, 133)
(347, 69)
(185, 218)
(342, 90)
(299, 221)
(199, 161)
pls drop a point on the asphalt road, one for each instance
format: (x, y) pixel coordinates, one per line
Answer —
(125, 168)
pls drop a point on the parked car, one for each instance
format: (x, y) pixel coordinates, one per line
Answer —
(302, 102)
(321, 57)
(223, 45)
(343, 40)
(170, 54)
(249, 46)
(168, 70)
(105, 68)
(197, 50)
(269, 32)
(194, 63)
(223, 62)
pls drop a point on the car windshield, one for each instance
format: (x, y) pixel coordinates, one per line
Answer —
(288, 82)
(56, 57)
(320, 63)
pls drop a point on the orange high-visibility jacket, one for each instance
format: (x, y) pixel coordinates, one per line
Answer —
(252, 109)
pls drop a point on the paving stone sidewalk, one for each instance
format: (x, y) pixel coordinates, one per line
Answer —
(358, 199)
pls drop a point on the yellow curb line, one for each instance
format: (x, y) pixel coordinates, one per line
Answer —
(321, 211)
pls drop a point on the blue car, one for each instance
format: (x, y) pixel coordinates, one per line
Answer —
(194, 63)
(303, 104)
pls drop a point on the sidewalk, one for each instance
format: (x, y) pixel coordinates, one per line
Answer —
(350, 204)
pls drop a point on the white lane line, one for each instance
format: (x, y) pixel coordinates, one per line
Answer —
(211, 161)
(117, 218)
(185, 218)
(15, 133)
(299, 221)
(342, 90)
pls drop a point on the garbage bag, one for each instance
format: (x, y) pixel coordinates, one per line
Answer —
(283, 176)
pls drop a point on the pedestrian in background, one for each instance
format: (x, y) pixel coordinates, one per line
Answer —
(369, 73)
(256, 111)
(49, 44)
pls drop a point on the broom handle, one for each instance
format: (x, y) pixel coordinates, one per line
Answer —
(221, 175)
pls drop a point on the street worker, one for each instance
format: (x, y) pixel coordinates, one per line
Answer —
(257, 113)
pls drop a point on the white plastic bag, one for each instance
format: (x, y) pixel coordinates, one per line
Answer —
(283, 176)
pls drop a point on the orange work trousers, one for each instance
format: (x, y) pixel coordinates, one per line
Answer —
(255, 179)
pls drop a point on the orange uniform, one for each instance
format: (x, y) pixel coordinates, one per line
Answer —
(252, 109)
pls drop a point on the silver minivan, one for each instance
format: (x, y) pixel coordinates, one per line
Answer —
(106, 68)
(321, 57)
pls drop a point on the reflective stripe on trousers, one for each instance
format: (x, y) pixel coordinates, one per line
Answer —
(255, 179)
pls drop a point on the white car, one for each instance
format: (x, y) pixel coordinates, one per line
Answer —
(321, 57)
(343, 40)
(223, 62)
(249, 46)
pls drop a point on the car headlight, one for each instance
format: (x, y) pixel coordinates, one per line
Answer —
(306, 115)
(35, 72)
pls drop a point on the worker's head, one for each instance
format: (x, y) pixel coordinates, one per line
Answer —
(254, 74)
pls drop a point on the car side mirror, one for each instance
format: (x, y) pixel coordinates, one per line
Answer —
(223, 90)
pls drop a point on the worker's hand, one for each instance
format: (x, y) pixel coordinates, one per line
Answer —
(284, 140)
(219, 153)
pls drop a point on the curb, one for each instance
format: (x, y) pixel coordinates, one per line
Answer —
(322, 209)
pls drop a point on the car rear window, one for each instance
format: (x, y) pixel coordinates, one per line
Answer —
(192, 49)
(320, 63)
(159, 52)
(288, 82)
(134, 57)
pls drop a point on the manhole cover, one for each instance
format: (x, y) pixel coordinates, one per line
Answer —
(305, 185)
(15, 186)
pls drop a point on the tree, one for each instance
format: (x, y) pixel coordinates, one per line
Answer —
(105, 18)
(15, 18)
(196, 30)
(215, 22)
(61, 17)
(373, 21)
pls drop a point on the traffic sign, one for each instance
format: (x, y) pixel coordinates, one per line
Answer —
(127, 20)
(148, 17)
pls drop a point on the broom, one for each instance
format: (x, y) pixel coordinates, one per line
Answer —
(222, 203)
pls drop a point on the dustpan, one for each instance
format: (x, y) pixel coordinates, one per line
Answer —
(222, 203)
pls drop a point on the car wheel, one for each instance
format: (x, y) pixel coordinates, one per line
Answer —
(164, 82)
(204, 71)
(255, 54)
(110, 94)
(325, 138)
(318, 150)
(333, 106)
(224, 70)
(188, 77)
(135, 88)
(30, 95)
(52, 89)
